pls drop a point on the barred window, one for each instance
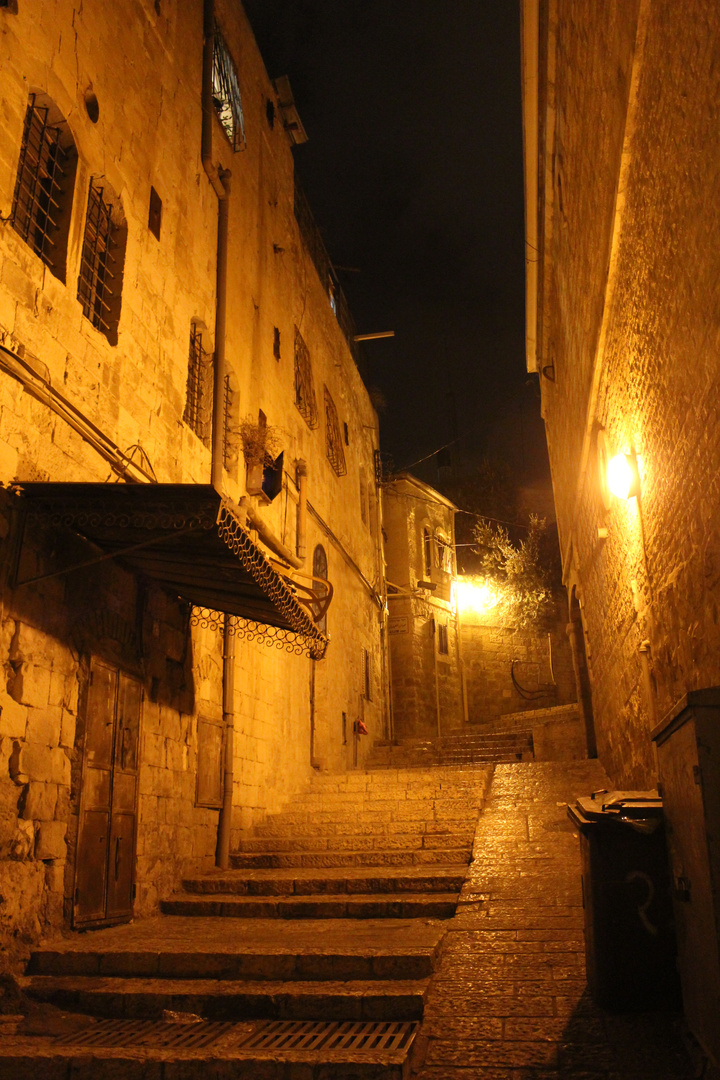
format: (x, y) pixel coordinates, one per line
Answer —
(102, 260)
(304, 389)
(42, 201)
(443, 643)
(198, 399)
(320, 573)
(226, 93)
(363, 497)
(366, 661)
(333, 439)
(427, 553)
(443, 553)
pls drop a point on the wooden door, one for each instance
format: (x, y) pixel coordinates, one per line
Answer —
(104, 870)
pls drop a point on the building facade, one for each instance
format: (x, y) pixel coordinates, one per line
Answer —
(187, 454)
(622, 153)
(425, 653)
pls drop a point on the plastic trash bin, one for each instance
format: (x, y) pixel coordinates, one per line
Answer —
(629, 932)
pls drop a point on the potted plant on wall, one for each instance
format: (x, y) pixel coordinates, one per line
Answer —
(261, 443)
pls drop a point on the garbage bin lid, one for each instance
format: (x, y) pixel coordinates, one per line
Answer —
(624, 805)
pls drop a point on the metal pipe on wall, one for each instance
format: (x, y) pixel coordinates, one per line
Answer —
(222, 856)
(220, 181)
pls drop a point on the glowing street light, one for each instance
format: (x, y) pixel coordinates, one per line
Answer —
(623, 478)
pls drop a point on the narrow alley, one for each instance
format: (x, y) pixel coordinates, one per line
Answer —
(337, 920)
(509, 1000)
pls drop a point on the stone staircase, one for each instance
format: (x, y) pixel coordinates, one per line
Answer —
(310, 958)
(454, 749)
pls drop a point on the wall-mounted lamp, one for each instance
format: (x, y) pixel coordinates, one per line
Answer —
(623, 478)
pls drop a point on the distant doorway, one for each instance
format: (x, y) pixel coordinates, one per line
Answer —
(105, 865)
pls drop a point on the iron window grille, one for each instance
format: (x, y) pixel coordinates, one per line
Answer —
(100, 278)
(226, 93)
(366, 660)
(198, 399)
(43, 187)
(304, 389)
(320, 573)
(228, 448)
(333, 438)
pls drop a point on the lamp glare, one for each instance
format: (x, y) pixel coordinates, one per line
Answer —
(622, 478)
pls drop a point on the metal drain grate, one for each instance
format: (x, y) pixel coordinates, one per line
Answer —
(330, 1036)
(155, 1034)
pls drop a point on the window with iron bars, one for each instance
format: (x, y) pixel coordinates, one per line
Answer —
(333, 439)
(44, 185)
(198, 399)
(101, 263)
(226, 93)
(304, 389)
(229, 450)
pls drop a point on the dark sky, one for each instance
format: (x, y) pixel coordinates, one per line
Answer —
(414, 172)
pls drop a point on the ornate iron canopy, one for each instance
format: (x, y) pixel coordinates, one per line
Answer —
(186, 537)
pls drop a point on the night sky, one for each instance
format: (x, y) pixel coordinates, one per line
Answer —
(413, 170)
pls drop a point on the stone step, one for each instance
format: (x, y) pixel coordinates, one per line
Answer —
(150, 1049)
(311, 824)
(289, 856)
(367, 906)
(268, 950)
(284, 839)
(213, 999)
(328, 782)
(339, 880)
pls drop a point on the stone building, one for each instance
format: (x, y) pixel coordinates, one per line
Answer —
(458, 662)
(622, 154)
(423, 631)
(187, 457)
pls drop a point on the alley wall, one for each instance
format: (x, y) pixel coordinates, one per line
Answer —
(629, 352)
(125, 84)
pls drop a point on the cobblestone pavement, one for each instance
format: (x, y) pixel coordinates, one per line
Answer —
(509, 999)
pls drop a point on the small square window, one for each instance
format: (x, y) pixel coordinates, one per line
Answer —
(276, 342)
(443, 644)
(155, 214)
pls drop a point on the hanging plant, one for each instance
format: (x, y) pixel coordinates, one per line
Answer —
(261, 443)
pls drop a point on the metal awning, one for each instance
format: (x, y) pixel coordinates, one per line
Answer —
(187, 538)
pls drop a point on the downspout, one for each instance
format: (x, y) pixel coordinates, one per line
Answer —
(220, 181)
(302, 473)
(222, 856)
(218, 428)
(437, 678)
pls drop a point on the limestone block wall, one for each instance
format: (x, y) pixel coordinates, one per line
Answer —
(637, 356)
(144, 68)
(488, 653)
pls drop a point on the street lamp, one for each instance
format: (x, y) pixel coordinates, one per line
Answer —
(623, 478)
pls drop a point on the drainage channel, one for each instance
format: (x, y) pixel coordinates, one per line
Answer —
(328, 1036)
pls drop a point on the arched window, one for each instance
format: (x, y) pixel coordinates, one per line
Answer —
(42, 202)
(427, 553)
(333, 440)
(320, 573)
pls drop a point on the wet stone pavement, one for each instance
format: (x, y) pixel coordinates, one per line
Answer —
(509, 999)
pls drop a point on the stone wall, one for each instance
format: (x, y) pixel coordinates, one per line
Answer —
(629, 301)
(143, 65)
(488, 655)
(426, 682)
